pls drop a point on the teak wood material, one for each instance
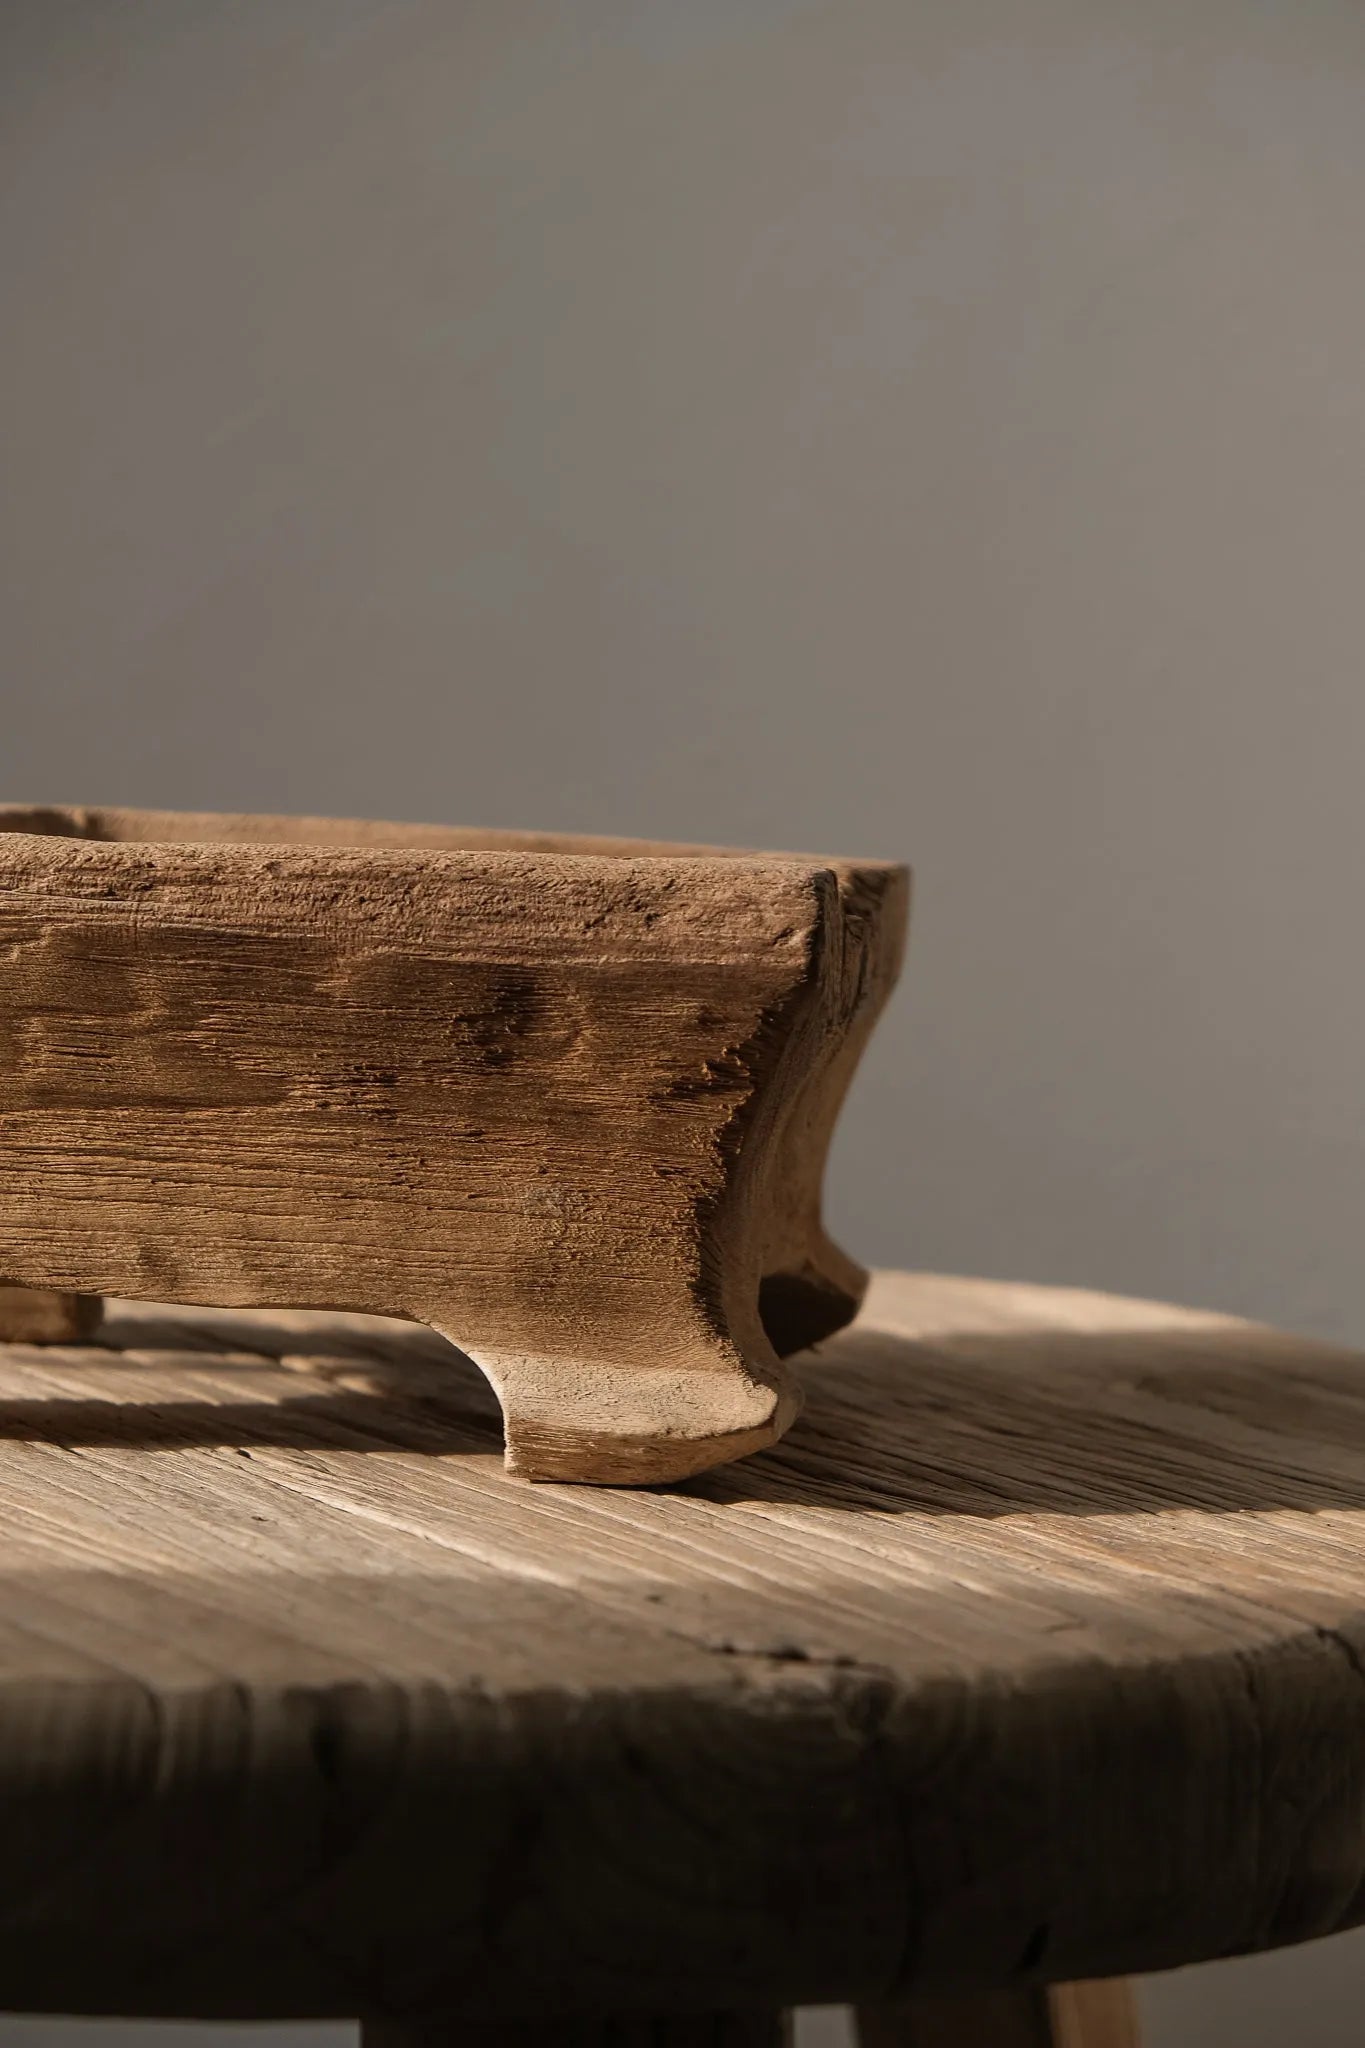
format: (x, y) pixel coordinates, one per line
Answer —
(1033, 1653)
(567, 1101)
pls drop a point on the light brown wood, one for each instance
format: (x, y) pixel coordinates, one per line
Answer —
(1099, 2014)
(567, 1102)
(1033, 1652)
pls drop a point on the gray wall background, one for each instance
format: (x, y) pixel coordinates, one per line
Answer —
(923, 427)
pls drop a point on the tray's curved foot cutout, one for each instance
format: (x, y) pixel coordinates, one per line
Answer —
(802, 1305)
(608, 1424)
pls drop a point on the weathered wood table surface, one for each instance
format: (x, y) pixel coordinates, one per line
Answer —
(1034, 1654)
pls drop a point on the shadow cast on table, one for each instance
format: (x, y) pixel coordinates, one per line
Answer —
(1221, 1417)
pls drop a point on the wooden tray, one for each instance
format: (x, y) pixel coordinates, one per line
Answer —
(565, 1100)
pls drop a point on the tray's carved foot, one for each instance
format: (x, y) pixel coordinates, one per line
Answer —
(637, 1421)
(41, 1315)
(811, 1287)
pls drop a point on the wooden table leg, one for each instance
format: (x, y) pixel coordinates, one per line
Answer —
(1100, 2014)
(622, 2030)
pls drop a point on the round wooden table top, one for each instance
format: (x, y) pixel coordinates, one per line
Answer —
(1037, 1650)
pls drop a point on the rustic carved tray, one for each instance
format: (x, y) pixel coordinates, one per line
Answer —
(566, 1100)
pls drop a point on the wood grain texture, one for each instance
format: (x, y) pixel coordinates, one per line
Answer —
(1033, 1652)
(1088, 2015)
(567, 1102)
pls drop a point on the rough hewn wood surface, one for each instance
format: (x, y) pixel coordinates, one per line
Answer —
(1034, 1651)
(566, 1101)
